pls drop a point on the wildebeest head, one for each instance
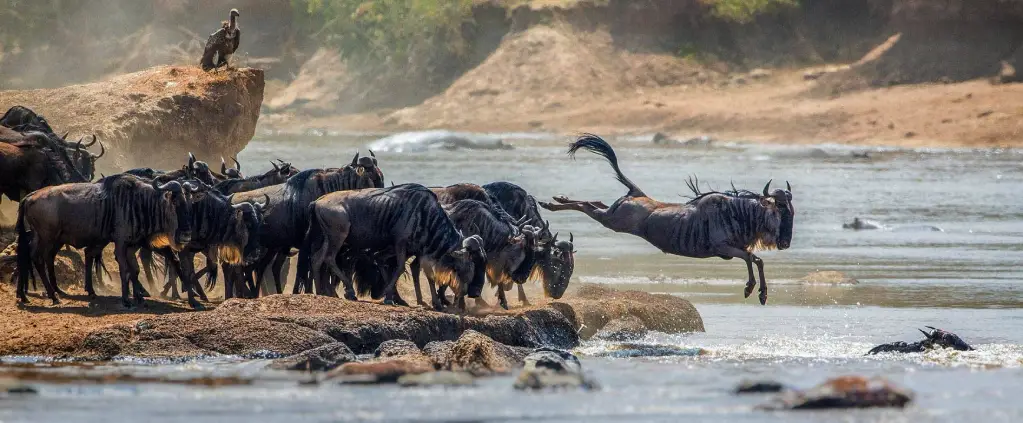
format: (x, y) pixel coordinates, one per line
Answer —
(368, 173)
(175, 201)
(84, 160)
(281, 172)
(231, 172)
(556, 264)
(469, 265)
(243, 234)
(944, 339)
(781, 200)
(198, 169)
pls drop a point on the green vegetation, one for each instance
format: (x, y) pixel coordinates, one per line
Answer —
(397, 32)
(743, 11)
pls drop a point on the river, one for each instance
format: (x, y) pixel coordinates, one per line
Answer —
(964, 278)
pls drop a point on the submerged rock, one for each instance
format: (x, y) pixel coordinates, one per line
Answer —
(385, 371)
(13, 387)
(628, 328)
(548, 368)
(759, 387)
(439, 378)
(321, 359)
(844, 392)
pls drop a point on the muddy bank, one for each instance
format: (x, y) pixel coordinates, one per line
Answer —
(153, 118)
(282, 325)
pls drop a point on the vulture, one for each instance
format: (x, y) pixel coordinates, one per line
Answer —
(221, 44)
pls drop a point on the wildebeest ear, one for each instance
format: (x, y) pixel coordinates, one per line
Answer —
(767, 201)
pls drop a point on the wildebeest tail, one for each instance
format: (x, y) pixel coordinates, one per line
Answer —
(313, 236)
(598, 146)
(24, 251)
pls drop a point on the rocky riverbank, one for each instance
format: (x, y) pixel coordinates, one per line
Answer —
(284, 325)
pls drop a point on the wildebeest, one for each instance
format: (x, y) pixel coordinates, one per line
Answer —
(287, 215)
(34, 162)
(122, 209)
(510, 248)
(713, 224)
(23, 119)
(406, 220)
(274, 176)
(936, 338)
(231, 172)
(554, 262)
(221, 231)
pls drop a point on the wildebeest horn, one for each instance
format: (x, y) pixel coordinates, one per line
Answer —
(102, 151)
(371, 153)
(277, 169)
(223, 166)
(64, 137)
(392, 183)
(522, 221)
(355, 160)
(555, 237)
(266, 200)
(927, 335)
(571, 238)
(237, 166)
(766, 187)
(169, 186)
(788, 187)
(191, 159)
(193, 188)
(91, 143)
(79, 145)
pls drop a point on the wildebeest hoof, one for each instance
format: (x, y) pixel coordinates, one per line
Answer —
(55, 302)
(197, 306)
(389, 302)
(546, 206)
(749, 288)
(350, 296)
(763, 297)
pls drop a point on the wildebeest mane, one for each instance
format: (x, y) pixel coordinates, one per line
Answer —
(694, 185)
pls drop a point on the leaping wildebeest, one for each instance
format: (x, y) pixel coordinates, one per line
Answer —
(404, 220)
(713, 224)
(122, 209)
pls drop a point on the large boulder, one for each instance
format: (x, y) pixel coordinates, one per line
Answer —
(325, 358)
(592, 307)
(154, 117)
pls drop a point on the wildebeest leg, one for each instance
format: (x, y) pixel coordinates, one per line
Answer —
(763, 283)
(134, 272)
(41, 269)
(188, 279)
(522, 295)
(399, 267)
(414, 269)
(92, 256)
(275, 270)
(442, 294)
(121, 254)
(146, 257)
(501, 298)
(725, 251)
(564, 200)
(52, 274)
(589, 209)
(170, 277)
(325, 255)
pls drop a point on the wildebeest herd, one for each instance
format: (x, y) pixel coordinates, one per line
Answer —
(353, 235)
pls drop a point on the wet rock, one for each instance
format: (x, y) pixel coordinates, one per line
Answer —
(759, 387)
(438, 352)
(863, 224)
(844, 392)
(439, 378)
(385, 371)
(548, 368)
(104, 343)
(480, 355)
(628, 328)
(828, 277)
(167, 348)
(592, 306)
(396, 348)
(13, 387)
(170, 109)
(321, 359)
(232, 334)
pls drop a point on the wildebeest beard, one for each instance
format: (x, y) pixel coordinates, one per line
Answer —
(554, 268)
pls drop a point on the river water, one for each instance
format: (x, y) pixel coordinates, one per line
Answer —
(964, 277)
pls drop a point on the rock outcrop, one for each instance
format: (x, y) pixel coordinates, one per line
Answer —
(154, 117)
(286, 325)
